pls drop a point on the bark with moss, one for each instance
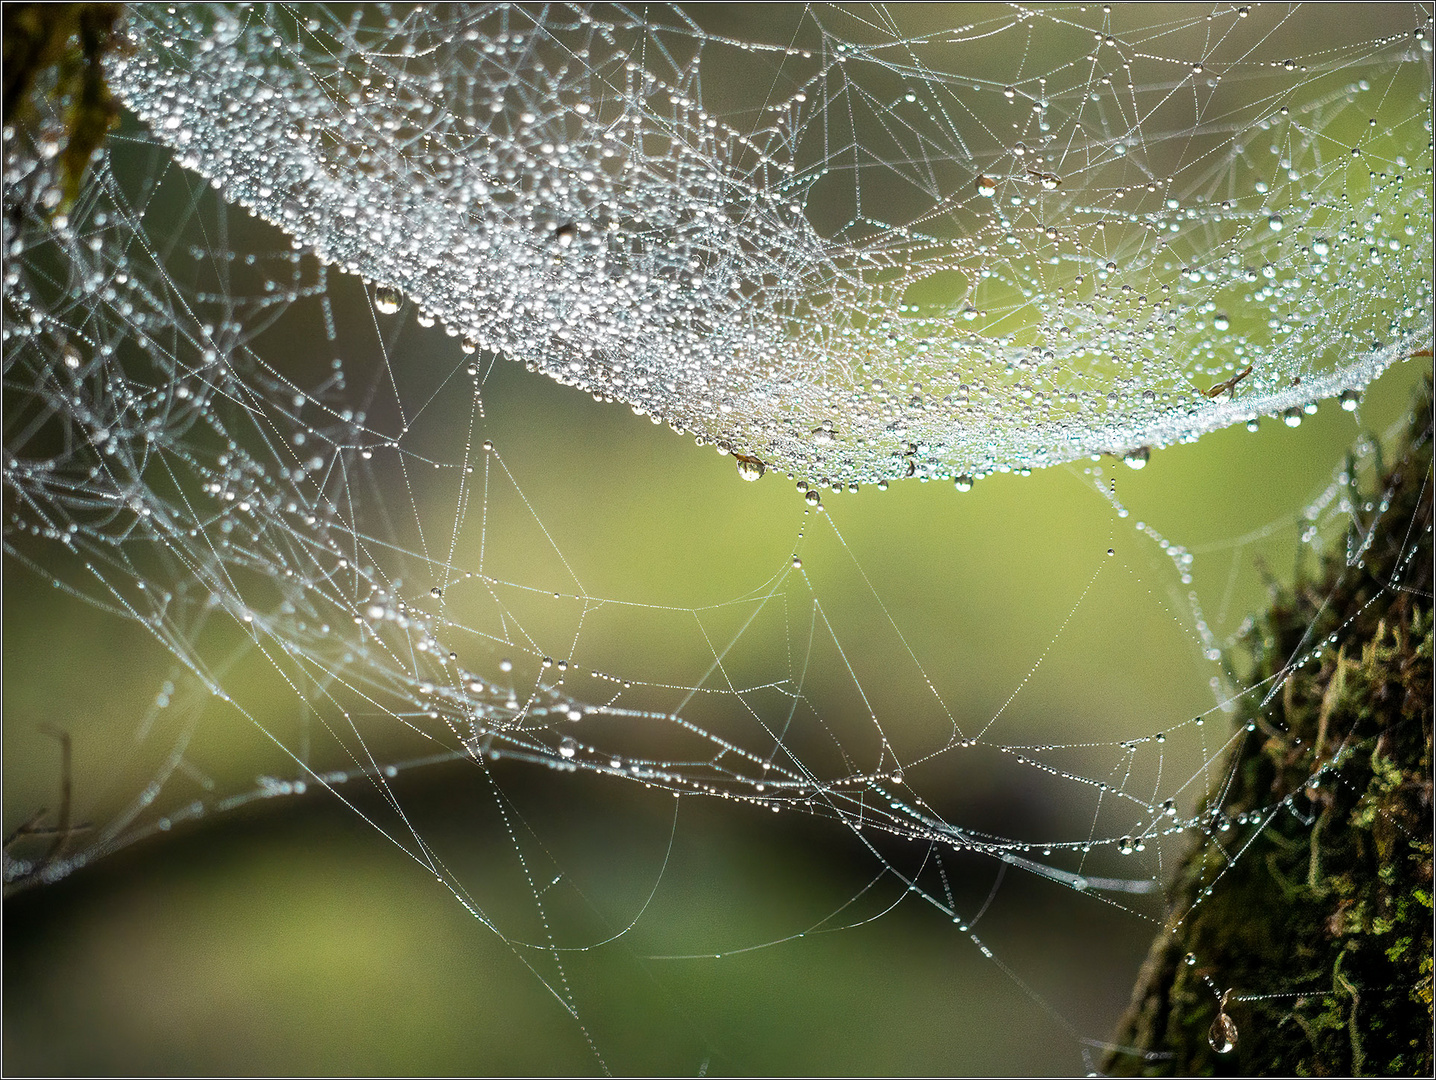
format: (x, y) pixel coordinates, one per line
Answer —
(1308, 901)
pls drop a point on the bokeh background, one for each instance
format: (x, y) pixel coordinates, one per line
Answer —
(288, 936)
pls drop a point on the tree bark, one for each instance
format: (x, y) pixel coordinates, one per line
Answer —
(1307, 898)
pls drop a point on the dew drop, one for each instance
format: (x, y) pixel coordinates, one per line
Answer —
(1223, 1033)
(1220, 321)
(987, 187)
(565, 234)
(1275, 223)
(387, 299)
(436, 592)
(1350, 399)
(749, 468)
(1253, 424)
(1138, 458)
(962, 482)
(567, 747)
(1125, 846)
(812, 498)
(1291, 417)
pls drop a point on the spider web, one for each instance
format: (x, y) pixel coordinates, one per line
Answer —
(269, 439)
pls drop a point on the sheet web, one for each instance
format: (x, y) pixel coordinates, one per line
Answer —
(265, 438)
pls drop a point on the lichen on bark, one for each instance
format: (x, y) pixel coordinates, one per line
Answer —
(1308, 899)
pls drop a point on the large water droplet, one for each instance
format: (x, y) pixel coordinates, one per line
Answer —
(1220, 321)
(1275, 223)
(962, 483)
(749, 468)
(1291, 417)
(987, 187)
(1223, 1033)
(1125, 846)
(567, 747)
(1350, 399)
(387, 299)
(1138, 458)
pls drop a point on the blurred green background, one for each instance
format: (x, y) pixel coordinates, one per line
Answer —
(288, 936)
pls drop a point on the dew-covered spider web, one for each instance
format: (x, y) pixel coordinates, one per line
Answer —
(260, 408)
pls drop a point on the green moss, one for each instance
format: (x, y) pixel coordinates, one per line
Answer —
(1322, 929)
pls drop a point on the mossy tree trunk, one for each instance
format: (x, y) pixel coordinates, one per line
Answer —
(1308, 902)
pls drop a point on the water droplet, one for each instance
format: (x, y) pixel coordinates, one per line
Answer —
(797, 563)
(987, 187)
(1321, 246)
(1009, 93)
(1309, 408)
(436, 592)
(1253, 424)
(1125, 846)
(1275, 223)
(749, 468)
(962, 482)
(823, 434)
(1220, 321)
(1191, 959)
(1350, 399)
(1223, 1033)
(564, 235)
(1138, 458)
(387, 299)
(1291, 417)
(71, 355)
(1169, 807)
(567, 747)
(812, 498)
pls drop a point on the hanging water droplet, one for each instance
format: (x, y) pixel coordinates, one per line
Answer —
(436, 592)
(387, 299)
(1350, 399)
(797, 563)
(1291, 417)
(1223, 1033)
(1321, 246)
(812, 498)
(564, 235)
(1253, 424)
(1138, 458)
(567, 747)
(749, 468)
(987, 187)
(1169, 807)
(1275, 223)
(1125, 846)
(1309, 408)
(823, 434)
(1220, 321)
(962, 482)
(1009, 93)
(71, 355)
(469, 346)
